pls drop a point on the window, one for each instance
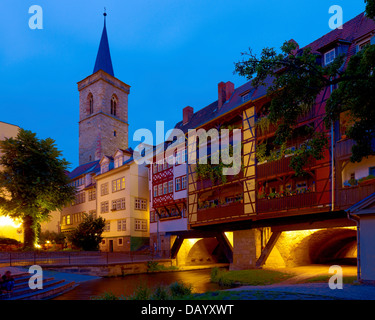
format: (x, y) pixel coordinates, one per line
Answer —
(107, 227)
(301, 187)
(91, 104)
(178, 158)
(114, 133)
(371, 171)
(104, 167)
(80, 198)
(118, 184)
(119, 242)
(140, 204)
(114, 106)
(183, 184)
(170, 186)
(121, 225)
(178, 184)
(165, 187)
(92, 194)
(68, 219)
(152, 216)
(104, 189)
(118, 162)
(140, 225)
(63, 220)
(104, 207)
(118, 204)
(329, 57)
(155, 191)
(160, 189)
(184, 156)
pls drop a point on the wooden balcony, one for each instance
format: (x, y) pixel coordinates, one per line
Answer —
(347, 197)
(207, 183)
(220, 212)
(344, 149)
(277, 167)
(298, 201)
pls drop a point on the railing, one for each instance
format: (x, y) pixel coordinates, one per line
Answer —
(344, 148)
(278, 167)
(207, 183)
(298, 201)
(220, 212)
(347, 197)
(71, 258)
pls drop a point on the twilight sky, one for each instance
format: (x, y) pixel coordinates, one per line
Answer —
(171, 53)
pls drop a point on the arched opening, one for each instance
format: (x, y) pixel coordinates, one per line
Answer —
(114, 106)
(90, 104)
(317, 246)
(204, 251)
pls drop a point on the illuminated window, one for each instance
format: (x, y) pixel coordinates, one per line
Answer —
(68, 219)
(118, 184)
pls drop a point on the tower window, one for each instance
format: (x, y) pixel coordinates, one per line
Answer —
(114, 133)
(90, 109)
(113, 106)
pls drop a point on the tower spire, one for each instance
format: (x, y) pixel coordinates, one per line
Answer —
(103, 58)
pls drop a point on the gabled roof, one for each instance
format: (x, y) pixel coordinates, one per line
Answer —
(103, 58)
(90, 167)
(361, 206)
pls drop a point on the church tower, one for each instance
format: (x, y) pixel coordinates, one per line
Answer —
(103, 108)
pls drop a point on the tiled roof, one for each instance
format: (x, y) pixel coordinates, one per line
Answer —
(352, 30)
(93, 167)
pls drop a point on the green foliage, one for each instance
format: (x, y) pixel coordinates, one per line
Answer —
(294, 80)
(87, 235)
(53, 237)
(179, 289)
(33, 181)
(105, 296)
(154, 266)
(370, 8)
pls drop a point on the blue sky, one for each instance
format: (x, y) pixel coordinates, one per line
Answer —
(171, 53)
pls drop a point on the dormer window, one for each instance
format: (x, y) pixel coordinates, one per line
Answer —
(113, 106)
(118, 162)
(329, 57)
(104, 167)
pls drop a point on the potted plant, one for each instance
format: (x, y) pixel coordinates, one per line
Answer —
(367, 180)
(352, 182)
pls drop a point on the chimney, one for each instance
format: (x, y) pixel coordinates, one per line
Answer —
(225, 91)
(187, 113)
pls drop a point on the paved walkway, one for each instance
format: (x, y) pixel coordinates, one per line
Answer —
(293, 285)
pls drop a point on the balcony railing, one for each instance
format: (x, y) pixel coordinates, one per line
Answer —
(347, 197)
(298, 201)
(344, 148)
(220, 212)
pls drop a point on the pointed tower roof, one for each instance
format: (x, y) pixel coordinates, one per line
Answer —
(103, 59)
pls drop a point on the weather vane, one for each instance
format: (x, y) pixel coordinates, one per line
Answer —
(105, 12)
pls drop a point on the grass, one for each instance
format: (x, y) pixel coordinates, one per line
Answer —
(253, 277)
(325, 278)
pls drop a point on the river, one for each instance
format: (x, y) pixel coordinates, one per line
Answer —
(199, 279)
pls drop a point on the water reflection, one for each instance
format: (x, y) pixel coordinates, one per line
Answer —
(199, 279)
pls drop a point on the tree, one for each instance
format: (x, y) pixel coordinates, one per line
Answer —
(33, 181)
(295, 77)
(88, 234)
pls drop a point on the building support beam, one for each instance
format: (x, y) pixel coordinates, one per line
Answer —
(176, 246)
(225, 245)
(267, 249)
